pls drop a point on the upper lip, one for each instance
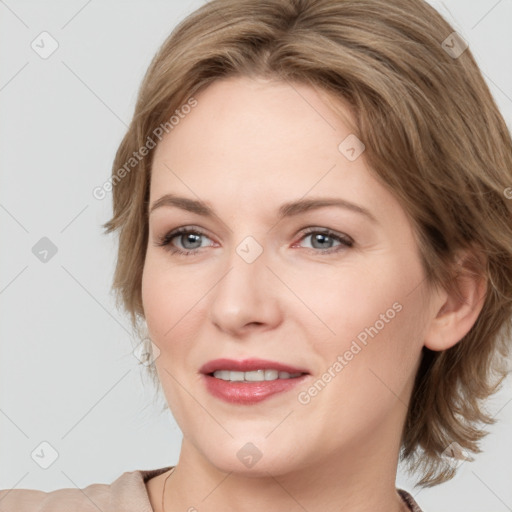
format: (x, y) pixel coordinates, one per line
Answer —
(247, 365)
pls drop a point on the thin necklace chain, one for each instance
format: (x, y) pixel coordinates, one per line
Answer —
(405, 507)
(163, 492)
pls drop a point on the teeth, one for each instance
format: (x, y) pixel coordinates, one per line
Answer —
(254, 376)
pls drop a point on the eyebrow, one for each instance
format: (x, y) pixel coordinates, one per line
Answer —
(289, 209)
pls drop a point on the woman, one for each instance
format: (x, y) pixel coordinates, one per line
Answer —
(316, 233)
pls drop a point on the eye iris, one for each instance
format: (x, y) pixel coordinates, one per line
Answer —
(191, 237)
(320, 237)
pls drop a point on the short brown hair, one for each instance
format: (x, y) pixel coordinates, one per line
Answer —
(433, 135)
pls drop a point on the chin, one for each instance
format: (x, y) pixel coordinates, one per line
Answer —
(254, 459)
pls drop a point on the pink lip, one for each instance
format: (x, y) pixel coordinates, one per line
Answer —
(248, 392)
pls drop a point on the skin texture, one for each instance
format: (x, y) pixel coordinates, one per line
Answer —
(249, 146)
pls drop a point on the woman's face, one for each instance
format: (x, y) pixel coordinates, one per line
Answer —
(348, 309)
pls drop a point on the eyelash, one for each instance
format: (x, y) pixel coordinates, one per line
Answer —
(165, 241)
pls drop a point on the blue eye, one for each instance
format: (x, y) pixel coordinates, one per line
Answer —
(183, 234)
(321, 236)
(192, 236)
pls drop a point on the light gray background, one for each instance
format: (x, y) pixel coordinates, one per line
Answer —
(67, 372)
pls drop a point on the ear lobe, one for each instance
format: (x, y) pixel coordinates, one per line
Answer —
(456, 310)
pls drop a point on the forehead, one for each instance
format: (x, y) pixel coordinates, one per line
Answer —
(255, 139)
(255, 120)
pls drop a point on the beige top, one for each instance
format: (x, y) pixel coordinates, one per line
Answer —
(127, 494)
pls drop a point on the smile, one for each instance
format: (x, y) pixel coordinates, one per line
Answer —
(254, 376)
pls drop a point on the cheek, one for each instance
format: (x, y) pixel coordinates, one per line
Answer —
(385, 318)
(159, 298)
(349, 298)
(165, 308)
(167, 295)
(151, 291)
(372, 314)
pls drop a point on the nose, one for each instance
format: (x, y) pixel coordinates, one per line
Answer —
(247, 296)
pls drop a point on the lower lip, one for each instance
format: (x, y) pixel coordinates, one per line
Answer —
(238, 392)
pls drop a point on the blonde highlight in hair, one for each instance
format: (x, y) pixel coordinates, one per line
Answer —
(433, 135)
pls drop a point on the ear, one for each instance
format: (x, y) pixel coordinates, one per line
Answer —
(456, 310)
